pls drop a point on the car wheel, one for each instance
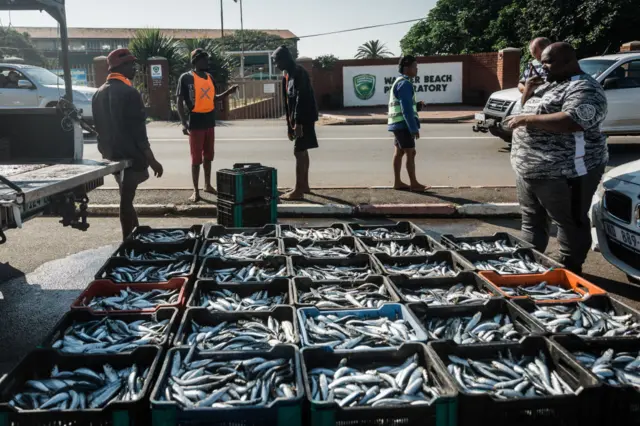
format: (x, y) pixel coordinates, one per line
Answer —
(633, 280)
(52, 105)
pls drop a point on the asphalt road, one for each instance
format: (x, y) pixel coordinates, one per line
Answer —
(45, 267)
(448, 154)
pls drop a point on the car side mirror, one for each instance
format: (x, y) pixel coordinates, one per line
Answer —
(611, 83)
(25, 84)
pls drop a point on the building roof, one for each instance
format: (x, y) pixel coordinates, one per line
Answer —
(126, 33)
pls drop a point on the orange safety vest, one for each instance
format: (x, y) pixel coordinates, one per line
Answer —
(204, 94)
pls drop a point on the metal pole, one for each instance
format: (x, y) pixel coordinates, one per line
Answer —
(64, 38)
(241, 42)
(221, 22)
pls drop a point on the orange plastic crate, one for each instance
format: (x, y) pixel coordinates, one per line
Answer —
(109, 288)
(556, 277)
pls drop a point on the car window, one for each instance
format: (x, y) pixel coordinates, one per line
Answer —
(9, 78)
(626, 76)
(595, 67)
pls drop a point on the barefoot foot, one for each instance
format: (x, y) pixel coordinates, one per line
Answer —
(293, 196)
(400, 186)
(195, 197)
(210, 190)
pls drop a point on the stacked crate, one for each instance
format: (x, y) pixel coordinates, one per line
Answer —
(247, 195)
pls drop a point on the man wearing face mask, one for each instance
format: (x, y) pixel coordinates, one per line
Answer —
(559, 154)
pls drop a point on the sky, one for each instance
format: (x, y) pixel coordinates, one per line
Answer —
(302, 17)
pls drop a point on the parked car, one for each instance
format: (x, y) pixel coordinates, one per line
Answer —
(620, 76)
(615, 214)
(29, 86)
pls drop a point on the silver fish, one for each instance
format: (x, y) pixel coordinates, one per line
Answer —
(613, 368)
(130, 300)
(383, 233)
(136, 254)
(422, 270)
(470, 330)
(249, 273)
(147, 273)
(457, 294)
(254, 334)
(351, 386)
(242, 236)
(400, 248)
(333, 272)
(515, 263)
(255, 248)
(316, 250)
(109, 335)
(316, 234)
(352, 332)
(165, 236)
(81, 389)
(487, 247)
(227, 301)
(543, 291)
(203, 382)
(333, 296)
(509, 377)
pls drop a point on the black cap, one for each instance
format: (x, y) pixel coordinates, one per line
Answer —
(197, 54)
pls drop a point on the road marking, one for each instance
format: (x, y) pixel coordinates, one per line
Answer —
(329, 139)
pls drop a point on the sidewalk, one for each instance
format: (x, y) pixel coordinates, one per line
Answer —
(378, 115)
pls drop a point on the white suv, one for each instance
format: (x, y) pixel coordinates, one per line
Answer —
(29, 86)
(620, 76)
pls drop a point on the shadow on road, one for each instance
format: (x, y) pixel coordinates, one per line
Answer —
(624, 289)
(8, 272)
(623, 153)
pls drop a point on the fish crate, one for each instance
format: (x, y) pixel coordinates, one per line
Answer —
(401, 284)
(170, 249)
(337, 225)
(203, 316)
(472, 256)
(283, 412)
(251, 214)
(440, 412)
(425, 242)
(454, 243)
(203, 251)
(620, 402)
(38, 364)
(107, 288)
(393, 311)
(119, 262)
(488, 310)
(360, 260)
(602, 303)
(452, 259)
(582, 408)
(275, 287)
(276, 262)
(79, 317)
(349, 242)
(408, 228)
(247, 182)
(193, 233)
(215, 232)
(557, 277)
(305, 284)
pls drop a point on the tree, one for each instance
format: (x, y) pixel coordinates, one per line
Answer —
(256, 40)
(13, 43)
(325, 62)
(220, 64)
(373, 49)
(150, 42)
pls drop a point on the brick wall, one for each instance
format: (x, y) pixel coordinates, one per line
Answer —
(482, 74)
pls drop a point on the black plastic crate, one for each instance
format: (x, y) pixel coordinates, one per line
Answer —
(452, 259)
(453, 243)
(473, 256)
(215, 232)
(277, 262)
(340, 226)
(441, 412)
(489, 310)
(359, 260)
(350, 242)
(38, 365)
(203, 317)
(279, 412)
(402, 284)
(206, 244)
(580, 409)
(622, 403)
(425, 242)
(247, 182)
(74, 317)
(601, 302)
(408, 228)
(116, 262)
(194, 233)
(188, 245)
(251, 214)
(275, 287)
(304, 284)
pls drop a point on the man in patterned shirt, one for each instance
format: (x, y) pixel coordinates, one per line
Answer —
(559, 154)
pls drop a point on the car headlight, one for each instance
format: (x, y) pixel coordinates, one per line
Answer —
(517, 108)
(636, 216)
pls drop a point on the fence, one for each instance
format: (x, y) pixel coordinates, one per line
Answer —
(256, 99)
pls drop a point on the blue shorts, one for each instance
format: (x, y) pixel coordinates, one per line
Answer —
(403, 139)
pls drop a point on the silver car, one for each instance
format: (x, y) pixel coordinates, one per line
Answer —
(29, 86)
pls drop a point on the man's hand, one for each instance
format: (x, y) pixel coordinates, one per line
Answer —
(291, 134)
(157, 168)
(516, 121)
(298, 130)
(416, 135)
(185, 129)
(421, 106)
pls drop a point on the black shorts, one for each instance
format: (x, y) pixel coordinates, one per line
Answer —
(403, 139)
(308, 140)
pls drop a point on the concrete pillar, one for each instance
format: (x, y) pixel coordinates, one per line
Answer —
(100, 70)
(158, 86)
(508, 72)
(630, 47)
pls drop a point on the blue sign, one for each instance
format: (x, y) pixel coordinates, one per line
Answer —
(78, 76)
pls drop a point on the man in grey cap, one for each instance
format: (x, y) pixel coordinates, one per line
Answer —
(302, 114)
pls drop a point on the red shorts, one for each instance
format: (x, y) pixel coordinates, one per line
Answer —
(201, 143)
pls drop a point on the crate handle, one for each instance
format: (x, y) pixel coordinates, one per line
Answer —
(246, 165)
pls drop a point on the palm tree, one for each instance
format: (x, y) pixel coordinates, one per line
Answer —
(220, 64)
(373, 49)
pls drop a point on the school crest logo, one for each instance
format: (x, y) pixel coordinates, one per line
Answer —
(365, 86)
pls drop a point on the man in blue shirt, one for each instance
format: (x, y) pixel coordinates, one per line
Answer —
(404, 123)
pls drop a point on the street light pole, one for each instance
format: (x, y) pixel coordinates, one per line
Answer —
(241, 41)
(221, 22)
